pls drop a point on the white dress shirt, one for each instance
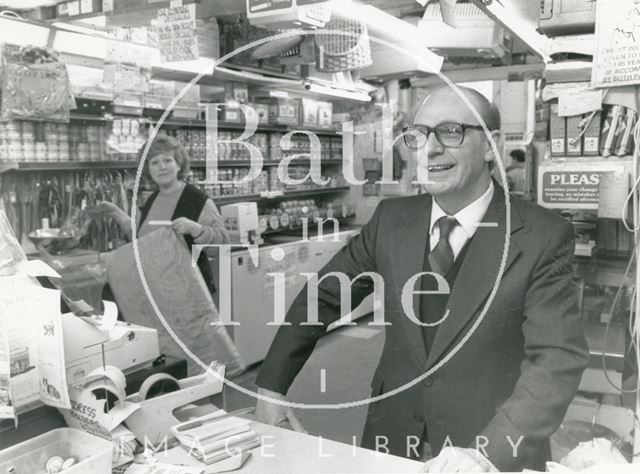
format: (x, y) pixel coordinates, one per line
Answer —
(468, 217)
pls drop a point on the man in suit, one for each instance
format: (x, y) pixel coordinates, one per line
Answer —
(497, 366)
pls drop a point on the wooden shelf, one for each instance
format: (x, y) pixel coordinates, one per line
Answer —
(68, 165)
(128, 164)
(200, 123)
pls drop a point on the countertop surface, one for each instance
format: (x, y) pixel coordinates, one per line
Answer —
(285, 451)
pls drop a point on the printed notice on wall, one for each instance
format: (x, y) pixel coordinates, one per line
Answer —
(177, 33)
(571, 186)
(617, 58)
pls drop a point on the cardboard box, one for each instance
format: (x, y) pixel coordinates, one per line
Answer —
(309, 112)
(591, 137)
(283, 111)
(325, 114)
(611, 129)
(263, 112)
(557, 132)
(574, 146)
(231, 114)
(127, 78)
(236, 91)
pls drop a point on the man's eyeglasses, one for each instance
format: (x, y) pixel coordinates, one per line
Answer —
(448, 134)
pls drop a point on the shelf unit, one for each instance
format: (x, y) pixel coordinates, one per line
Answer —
(201, 123)
(128, 164)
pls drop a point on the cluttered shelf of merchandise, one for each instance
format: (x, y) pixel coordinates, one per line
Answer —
(128, 164)
(171, 121)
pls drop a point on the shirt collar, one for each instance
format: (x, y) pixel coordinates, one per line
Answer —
(468, 217)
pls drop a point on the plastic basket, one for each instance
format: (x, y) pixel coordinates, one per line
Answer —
(337, 52)
(92, 454)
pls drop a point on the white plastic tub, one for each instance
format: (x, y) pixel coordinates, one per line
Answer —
(92, 454)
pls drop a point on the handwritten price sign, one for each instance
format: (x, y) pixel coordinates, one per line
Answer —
(177, 33)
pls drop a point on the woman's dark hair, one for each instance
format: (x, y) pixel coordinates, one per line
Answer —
(163, 144)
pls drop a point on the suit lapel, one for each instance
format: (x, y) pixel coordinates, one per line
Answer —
(478, 273)
(411, 235)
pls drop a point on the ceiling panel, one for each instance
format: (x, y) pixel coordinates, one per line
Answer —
(26, 4)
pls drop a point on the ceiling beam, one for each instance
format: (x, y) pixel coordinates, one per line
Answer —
(496, 73)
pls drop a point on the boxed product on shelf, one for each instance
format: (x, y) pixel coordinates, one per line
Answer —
(585, 237)
(126, 77)
(308, 112)
(574, 138)
(262, 110)
(557, 131)
(231, 113)
(336, 148)
(611, 131)
(208, 38)
(237, 91)
(160, 95)
(625, 144)
(591, 138)
(130, 103)
(325, 114)
(282, 111)
(275, 151)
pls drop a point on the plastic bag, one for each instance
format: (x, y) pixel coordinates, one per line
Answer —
(11, 253)
(594, 453)
(34, 85)
(573, 434)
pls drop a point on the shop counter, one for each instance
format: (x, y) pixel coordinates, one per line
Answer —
(289, 451)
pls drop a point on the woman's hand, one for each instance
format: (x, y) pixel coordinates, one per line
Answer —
(104, 209)
(184, 226)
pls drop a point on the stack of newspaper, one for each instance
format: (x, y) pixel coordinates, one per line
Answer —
(217, 436)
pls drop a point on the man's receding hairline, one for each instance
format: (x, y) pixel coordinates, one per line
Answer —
(487, 110)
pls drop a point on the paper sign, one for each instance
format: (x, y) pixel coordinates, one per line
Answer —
(177, 33)
(616, 61)
(49, 342)
(579, 103)
(572, 185)
(7, 408)
(614, 190)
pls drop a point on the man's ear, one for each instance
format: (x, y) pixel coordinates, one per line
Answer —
(489, 154)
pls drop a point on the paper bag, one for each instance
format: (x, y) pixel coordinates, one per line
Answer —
(181, 296)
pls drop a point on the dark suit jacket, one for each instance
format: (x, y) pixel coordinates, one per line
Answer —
(515, 375)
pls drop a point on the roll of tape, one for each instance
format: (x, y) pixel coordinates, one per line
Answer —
(106, 390)
(108, 372)
(158, 384)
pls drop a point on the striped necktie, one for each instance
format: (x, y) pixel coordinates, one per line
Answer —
(441, 257)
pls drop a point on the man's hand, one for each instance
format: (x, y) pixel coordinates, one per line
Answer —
(275, 414)
(452, 459)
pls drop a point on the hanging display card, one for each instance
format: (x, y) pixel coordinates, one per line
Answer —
(177, 33)
(617, 57)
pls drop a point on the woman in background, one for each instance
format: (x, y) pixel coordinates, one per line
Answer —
(191, 213)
